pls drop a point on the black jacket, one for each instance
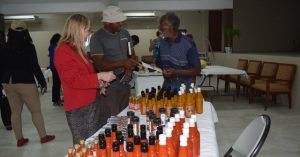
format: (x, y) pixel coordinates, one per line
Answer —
(20, 65)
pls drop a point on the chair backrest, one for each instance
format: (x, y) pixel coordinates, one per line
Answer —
(252, 138)
(253, 67)
(268, 70)
(242, 64)
(286, 73)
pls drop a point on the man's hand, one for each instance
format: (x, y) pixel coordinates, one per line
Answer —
(106, 76)
(128, 73)
(130, 63)
(170, 73)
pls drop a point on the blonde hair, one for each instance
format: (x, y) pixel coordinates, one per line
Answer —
(73, 33)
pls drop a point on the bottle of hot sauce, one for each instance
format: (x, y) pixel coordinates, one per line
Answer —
(143, 133)
(81, 142)
(194, 116)
(186, 132)
(171, 151)
(121, 146)
(144, 149)
(182, 117)
(84, 152)
(96, 147)
(116, 149)
(130, 133)
(114, 129)
(89, 151)
(102, 148)
(137, 147)
(158, 132)
(108, 142)
(199, 101)
(195, 138)
(183, 150)
(129, 148)
(162, 149)
(70, 152)
(152, 147)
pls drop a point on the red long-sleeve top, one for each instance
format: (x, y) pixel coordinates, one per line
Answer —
(79, 80)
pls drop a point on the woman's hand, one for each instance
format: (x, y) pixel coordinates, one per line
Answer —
(106, 76)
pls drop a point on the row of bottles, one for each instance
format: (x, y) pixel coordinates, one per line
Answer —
(178, 138)
(191, 102)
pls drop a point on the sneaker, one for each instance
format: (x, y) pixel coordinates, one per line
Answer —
(21, 142)
(47, 138)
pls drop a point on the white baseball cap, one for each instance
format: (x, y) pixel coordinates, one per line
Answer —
(113, 14)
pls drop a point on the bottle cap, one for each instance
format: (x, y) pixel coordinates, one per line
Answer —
(137, 140)
(198, 89)
(129, 126)
(151, 140)
(186, 132)
(114, 127)
(157, 121)
(130, 113)
(192, 123)
(183, 143)
(116, 147)
(177, 117)
(192, 85)
(182, 138)
(144, 147)
(129, 147)
(193, 116)
(172, 120)
(162, 110)
(101, 136)
(186, 125)
(168, 132)
(135, 119)
(170, 125)
(102, 144)
(162, 139)
(191, 90)
(120, 139)
(181, 113)
(107, 132)
(174, 110)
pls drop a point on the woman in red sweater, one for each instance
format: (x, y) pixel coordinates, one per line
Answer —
(79, 80)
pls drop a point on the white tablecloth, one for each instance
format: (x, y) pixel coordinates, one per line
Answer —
(147, 80)
(221, 70)
(206, 125)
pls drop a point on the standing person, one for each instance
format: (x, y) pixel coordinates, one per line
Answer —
(20, 67)
(154, 46)
(56, 85)
(79, 81)
(109, 51)
(4, 105)
(178, 55)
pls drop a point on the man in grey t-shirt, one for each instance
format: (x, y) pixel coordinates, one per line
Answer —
(109, 51)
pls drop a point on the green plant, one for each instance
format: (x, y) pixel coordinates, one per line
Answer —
(230, 34)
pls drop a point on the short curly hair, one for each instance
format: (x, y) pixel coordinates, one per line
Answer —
(172, 18)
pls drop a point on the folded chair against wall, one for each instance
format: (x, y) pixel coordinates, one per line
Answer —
(242, 65)
(252, 138)
(282, 84)
(268, 71)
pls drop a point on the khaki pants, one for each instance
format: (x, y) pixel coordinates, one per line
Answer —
(18, 95)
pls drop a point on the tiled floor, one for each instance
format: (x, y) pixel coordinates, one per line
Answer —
(283, 139)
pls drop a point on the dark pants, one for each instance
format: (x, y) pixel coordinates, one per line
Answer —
(86, 121)
(116, 98)
(55, 86)
(5, 110)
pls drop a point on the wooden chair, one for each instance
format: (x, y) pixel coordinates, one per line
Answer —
(282, 84)
(268, 71)
(242, 65)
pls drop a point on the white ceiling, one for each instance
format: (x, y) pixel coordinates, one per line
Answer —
(66, 6)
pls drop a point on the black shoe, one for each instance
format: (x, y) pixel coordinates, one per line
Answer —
(8, 128)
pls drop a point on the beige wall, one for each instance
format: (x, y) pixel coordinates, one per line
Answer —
(42, 30)
(231, 61)
(267, 25)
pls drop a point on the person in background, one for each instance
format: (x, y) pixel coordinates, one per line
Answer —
(4, 105)
(56, 85)
(80, 83)
(178, 55)
(20, 66)
(135, 40)
(109, 51)
(154, 46)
